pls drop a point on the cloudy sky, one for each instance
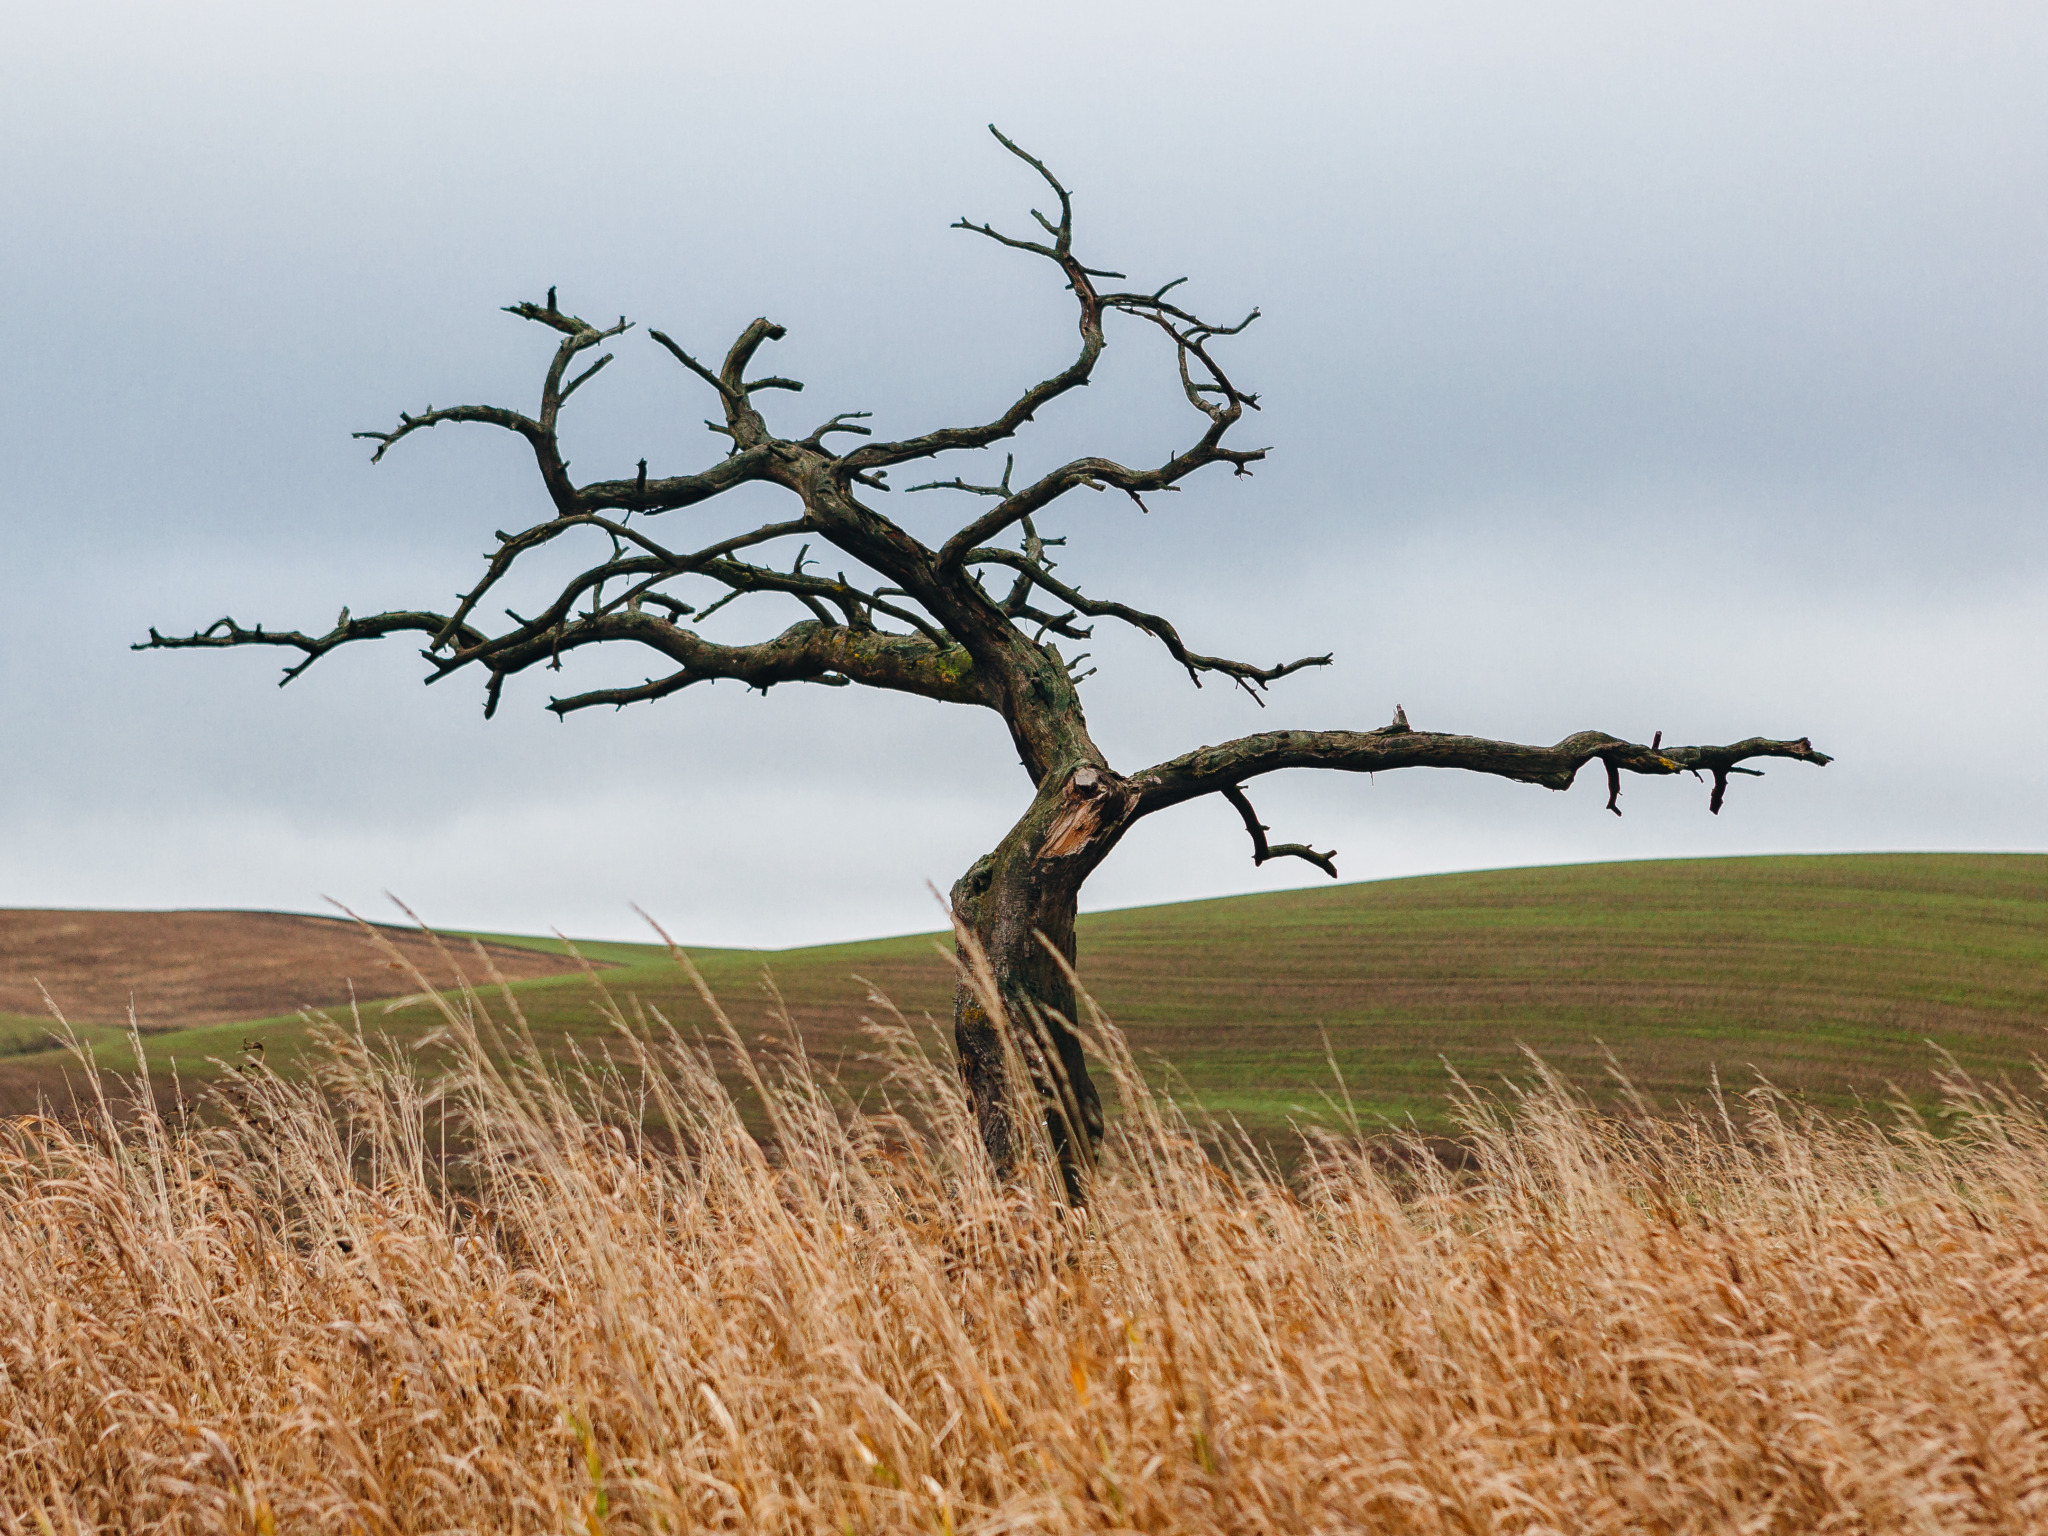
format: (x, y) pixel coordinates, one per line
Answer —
(1628, 368)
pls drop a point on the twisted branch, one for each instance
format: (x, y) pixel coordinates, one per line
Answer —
(873, 456)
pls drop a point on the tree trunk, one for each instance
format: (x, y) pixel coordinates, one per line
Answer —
(1015, 902)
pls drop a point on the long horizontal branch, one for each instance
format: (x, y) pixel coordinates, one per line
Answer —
(645, 572)
(226, 632)
(1209, 770)
(808, 652)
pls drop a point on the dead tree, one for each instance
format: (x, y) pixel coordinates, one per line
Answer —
(974, 621)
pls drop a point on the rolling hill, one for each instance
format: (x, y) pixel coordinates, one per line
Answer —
(1829, 975)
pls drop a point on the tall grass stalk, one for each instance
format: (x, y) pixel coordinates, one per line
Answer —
(612, 1307)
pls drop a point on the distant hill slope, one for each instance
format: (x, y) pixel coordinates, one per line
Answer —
(178, 969)
(1826, 974)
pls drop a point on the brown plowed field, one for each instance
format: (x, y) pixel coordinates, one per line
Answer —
(182, 969)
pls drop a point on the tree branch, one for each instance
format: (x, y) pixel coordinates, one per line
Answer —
(1223, 412)
(843, 422)
(547, 632)
(808, 652)
(743, 424)
(512, 546)
(226, 632)
(873, 456)
(669, 493)
(1212, 769)
(639, 494)
(690, 363)
(1243, 673)
(1261, 851)
(733, 375)
(491, 415)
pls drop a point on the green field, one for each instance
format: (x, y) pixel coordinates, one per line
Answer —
(1828, 975)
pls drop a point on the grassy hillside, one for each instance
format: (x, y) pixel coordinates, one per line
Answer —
(1826, 974)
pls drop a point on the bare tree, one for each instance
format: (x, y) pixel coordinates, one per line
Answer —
(974, 621)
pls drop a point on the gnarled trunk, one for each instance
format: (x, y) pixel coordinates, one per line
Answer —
(1019, 904)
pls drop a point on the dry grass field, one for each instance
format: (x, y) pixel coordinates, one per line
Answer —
(454, 1287)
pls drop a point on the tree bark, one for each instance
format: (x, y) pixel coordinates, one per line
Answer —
(1018, 905)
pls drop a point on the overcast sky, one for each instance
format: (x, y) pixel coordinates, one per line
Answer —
(1626, 367)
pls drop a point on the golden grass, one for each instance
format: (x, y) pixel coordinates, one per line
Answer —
(310, 1319)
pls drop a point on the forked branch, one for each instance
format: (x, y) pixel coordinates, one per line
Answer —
(1247, 676)
(1080, 278)
(1262, 850)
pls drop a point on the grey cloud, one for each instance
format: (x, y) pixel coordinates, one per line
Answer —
(1624, 368)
